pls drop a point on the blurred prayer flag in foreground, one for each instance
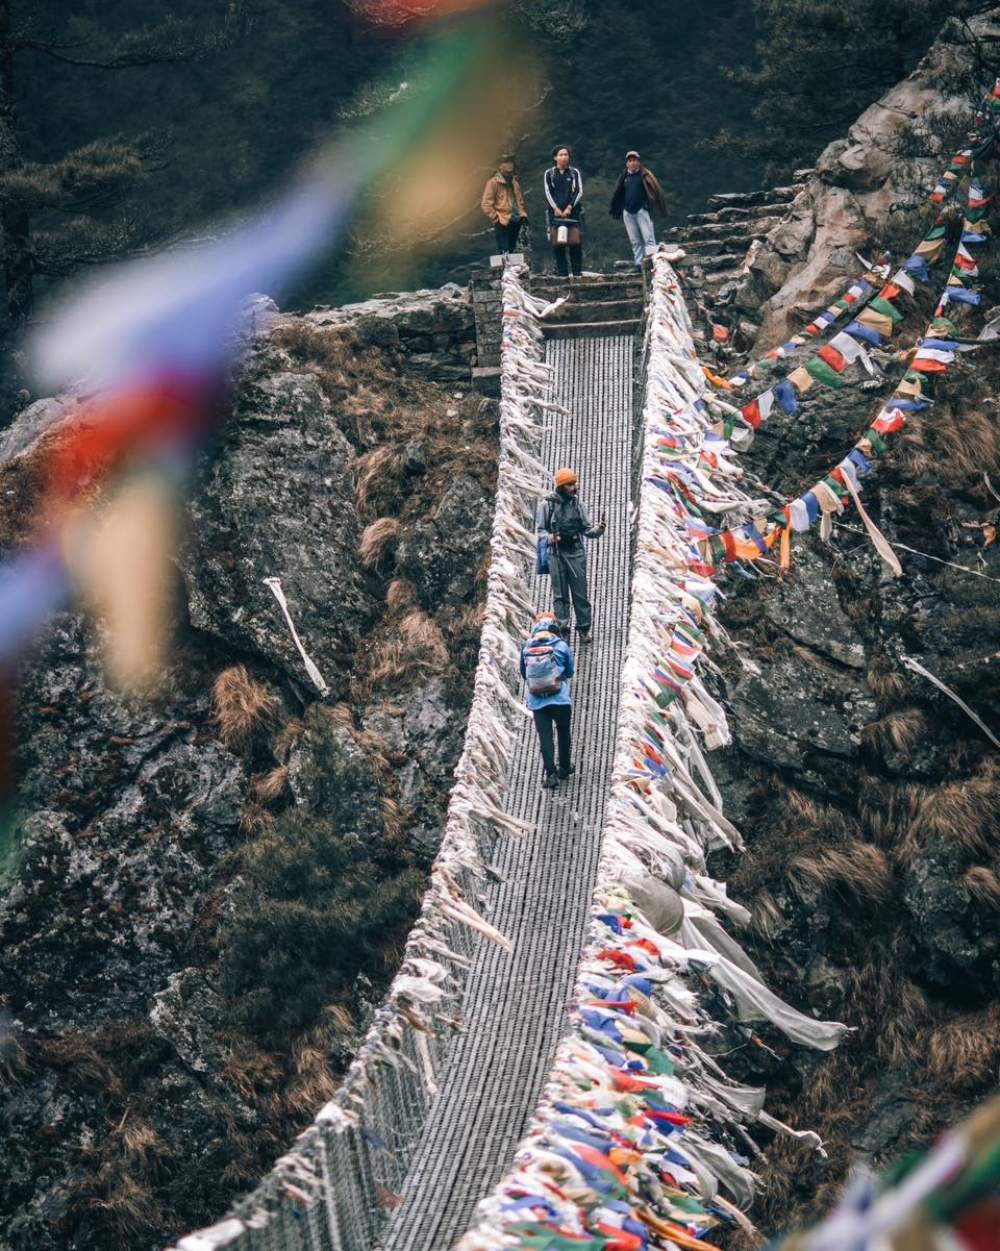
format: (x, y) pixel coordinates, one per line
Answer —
(154, 342)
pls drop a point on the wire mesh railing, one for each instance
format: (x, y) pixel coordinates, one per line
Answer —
(334, 1189)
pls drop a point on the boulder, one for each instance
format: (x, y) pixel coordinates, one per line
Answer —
(439, 557)
(274, 499)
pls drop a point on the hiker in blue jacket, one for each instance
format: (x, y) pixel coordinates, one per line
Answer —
(546, 666)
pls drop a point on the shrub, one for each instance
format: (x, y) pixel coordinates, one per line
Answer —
(315, 907)
(377, 332)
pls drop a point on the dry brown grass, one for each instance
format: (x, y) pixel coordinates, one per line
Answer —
(379, 540)
(341, 715)
(887, 811)
(272, 785)
(286, 738)
(984, 885)
(797, 826)
(340, 1018)
(963, 1054)
(888, 1009)
(128, 1201)
(885, 682)
(465, 622)
(415, 648)
(255, 819)
(312, 1083)
(401, 595)
(250, 1071)
(378, 481)
(76, 1055)
(424, 638)
(243, 707)
(766, 915)
(965, 813)
(897, 733)
(960, 441)
(860, 868)
(393, 818)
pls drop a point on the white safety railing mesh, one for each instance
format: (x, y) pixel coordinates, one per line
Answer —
(334, 1189)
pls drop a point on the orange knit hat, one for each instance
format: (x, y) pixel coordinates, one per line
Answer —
(565, 477)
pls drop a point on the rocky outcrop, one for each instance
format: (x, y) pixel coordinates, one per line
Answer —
(891, 154)
(272, 504)
(135, 1101)
(869, 801)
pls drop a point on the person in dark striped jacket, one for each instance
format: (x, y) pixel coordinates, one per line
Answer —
(564, 198)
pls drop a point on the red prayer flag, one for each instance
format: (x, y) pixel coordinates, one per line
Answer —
(832, 357)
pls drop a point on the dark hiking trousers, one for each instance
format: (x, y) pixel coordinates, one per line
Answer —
(567, 256)
(557, 715)
(507, 236)
(568, 571)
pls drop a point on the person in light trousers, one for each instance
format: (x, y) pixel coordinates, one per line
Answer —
(638, 197)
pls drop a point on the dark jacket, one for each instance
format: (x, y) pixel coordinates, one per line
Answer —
(563, 191)
(654, 193)
(566, 516)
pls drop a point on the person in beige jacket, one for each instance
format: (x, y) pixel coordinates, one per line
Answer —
(503, 204)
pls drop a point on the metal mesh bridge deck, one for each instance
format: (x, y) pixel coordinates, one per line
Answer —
(514, 1006)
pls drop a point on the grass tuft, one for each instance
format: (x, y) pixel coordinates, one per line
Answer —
(243, 707)
(378, 481)
(860, 868)
(272, 785)
(984, 885)
(401, 595)
(965, 813)
(964, 1053)
(896, 733)
(379, 540)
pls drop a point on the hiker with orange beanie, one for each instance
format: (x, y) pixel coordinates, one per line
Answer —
(564, 521)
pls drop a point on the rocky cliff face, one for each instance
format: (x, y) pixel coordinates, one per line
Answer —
(145, 1075)
(869, 800)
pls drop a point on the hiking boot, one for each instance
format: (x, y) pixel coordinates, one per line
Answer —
(585, 636)
(551, 782)
(563, 774)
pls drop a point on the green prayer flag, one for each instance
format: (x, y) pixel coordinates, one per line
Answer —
(659, 1064)
(822, 372)
(889, 309)
(538, 1238)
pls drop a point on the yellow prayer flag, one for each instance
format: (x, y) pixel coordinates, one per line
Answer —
(802, 380)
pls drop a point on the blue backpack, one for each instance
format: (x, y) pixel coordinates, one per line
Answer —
(542, 670)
